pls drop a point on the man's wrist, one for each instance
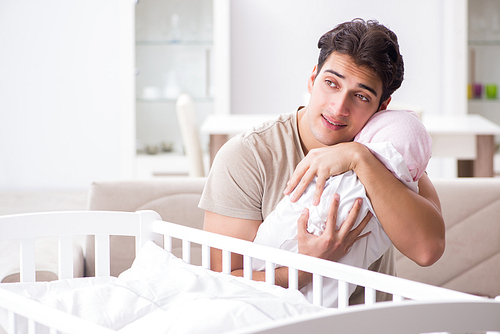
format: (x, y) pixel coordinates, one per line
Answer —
(360, 156)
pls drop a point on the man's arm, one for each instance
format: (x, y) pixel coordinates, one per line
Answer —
(412, 221)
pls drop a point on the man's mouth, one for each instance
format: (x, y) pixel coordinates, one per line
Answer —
(333, 123)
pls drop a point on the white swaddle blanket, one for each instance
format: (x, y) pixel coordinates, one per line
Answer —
(279, 229)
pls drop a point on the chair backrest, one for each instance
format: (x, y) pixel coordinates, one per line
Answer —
(187, 118)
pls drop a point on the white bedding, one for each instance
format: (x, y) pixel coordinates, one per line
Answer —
(163, 294)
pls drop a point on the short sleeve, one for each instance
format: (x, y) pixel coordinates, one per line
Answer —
(234, 185)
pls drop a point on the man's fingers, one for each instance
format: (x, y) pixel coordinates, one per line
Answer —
(302, 185)
(320, 185)
(331, 220)
(362, 236)
(297, 175)
(363, 223)
(351, 219)
(355, 233)
(302, 222)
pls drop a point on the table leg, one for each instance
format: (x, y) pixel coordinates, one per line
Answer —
(216, 142)
(483, 165)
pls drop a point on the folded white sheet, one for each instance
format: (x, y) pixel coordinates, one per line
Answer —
(163, 294)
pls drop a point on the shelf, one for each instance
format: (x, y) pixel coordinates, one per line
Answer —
(165, 100)
(484, 42)
(483, 101)
(173, 43)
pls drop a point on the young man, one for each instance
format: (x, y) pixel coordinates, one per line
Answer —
(358, 69)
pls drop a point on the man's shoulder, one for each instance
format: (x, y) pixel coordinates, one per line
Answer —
(282, 127)
(258, 142)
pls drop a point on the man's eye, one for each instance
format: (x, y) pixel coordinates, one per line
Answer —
(363, 98)
(330, 83)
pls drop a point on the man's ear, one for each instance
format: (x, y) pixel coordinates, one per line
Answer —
(385, 104)
(312, 77)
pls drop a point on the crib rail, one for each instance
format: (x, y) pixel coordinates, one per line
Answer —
(64, 225)
(345, 274)
(410, 317)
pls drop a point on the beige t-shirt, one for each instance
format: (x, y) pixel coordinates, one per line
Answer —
(250, 172)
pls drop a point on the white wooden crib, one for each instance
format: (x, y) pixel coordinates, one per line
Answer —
(416, 307)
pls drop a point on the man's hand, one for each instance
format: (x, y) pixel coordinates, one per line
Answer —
(331, 244)
(323, 163)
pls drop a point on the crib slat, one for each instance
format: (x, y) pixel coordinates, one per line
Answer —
(370, 296)
(397, 298)
(293, 278)
(65, 254)
(186, 251)
(226, 262)
(27, 254)
(317, 289)
(343, 294)
(31, 326)
(102, 264)
(270, 273)
(205, 256)
(247, 267)
(167, 242)
(12, 322)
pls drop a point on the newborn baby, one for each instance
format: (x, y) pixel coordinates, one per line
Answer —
(400, 141)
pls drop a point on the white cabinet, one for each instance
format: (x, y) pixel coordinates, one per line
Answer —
(174, 55)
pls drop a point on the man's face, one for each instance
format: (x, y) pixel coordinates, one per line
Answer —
(343, 97)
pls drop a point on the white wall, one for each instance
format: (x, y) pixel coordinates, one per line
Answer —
(66, 103)
(67, 86)
(274, 49)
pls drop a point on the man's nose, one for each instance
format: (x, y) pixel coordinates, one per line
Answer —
(340, 105)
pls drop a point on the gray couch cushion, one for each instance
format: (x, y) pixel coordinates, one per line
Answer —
(471, 261)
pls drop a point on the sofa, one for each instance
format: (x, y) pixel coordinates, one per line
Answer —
(471, 209)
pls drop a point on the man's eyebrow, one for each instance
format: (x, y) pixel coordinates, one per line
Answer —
(368, 88)
(335, 73)
(360, 85)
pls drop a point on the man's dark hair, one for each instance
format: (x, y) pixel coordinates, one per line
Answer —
(369, 44)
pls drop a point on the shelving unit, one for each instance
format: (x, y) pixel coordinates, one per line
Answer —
(174, 55)
(484, 55)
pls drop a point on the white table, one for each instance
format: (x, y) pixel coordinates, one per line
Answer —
(467, 137)
(221, 127)
(464, 137)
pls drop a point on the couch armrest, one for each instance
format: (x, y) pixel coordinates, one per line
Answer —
(175, 199)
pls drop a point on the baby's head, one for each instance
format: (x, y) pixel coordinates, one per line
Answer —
(407, 134)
